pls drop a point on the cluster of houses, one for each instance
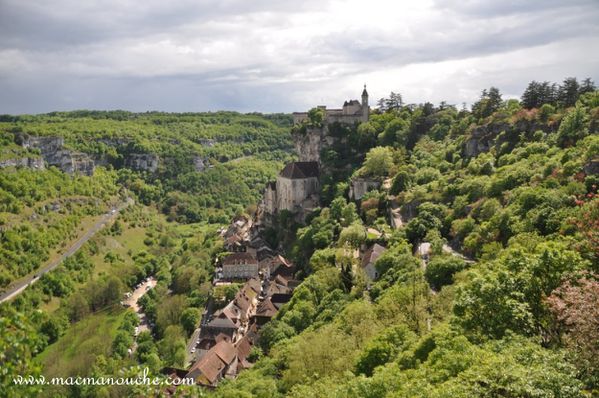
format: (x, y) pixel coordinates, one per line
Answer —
(227, 336)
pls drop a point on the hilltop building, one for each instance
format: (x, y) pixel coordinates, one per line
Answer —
(353, 111)
(297, 186)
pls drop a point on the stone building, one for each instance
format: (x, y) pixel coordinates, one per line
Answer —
(240, 266)
(353, 111)
(295, 189)
(369, 259)
(360, 186)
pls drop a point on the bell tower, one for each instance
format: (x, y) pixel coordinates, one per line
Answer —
(365, 108)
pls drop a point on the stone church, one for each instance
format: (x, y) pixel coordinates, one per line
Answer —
(295, 189)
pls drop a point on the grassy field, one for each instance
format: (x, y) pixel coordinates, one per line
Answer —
(76, 351)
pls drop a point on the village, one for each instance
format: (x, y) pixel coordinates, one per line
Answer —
(222, 344)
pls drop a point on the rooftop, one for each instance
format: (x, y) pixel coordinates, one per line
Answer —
(372, 254)
(299, 170)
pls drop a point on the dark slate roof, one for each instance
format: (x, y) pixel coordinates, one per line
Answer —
(372, 254)
(364, 92)
(299, 170)
(222, 323)
(239, 258)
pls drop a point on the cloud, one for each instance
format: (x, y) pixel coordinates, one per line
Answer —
(280, 55)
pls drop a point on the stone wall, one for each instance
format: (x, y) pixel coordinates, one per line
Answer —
(360, 186)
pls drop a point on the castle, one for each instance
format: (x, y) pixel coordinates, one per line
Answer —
(297, 186)
(352, 112)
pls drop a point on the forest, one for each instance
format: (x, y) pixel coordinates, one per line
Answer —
(505, 304)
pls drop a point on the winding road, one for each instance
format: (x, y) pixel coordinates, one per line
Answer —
(18, 287)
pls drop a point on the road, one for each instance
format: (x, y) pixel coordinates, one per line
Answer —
(18, 287)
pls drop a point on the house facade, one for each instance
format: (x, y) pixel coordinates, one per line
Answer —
(240, 265)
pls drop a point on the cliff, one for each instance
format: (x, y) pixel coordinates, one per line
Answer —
(54, 154)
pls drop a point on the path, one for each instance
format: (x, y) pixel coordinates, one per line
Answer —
(143, 288)
(395, 215)
(18, 287)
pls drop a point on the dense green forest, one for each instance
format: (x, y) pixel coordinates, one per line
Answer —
(40, 208)
(512, 187)
(505, 304)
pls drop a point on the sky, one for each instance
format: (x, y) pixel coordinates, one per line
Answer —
(283, 56)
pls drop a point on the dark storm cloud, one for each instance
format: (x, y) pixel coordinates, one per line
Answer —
(281, 55)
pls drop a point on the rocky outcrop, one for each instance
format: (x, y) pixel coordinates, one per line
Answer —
(142, 162)
(72, 162)
(54, 154)
(30, 162)
(199, 164)
(483, 138)
(591, 167)
(309, 144)
(44, 144)
(207, 142)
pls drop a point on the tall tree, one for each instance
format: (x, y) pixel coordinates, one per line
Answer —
(568, 92)
(587, 86)
(489, 102)
(539, 93)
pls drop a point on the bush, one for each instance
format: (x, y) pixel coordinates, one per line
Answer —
(440, 270)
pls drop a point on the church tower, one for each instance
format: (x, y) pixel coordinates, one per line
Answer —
(365, 108)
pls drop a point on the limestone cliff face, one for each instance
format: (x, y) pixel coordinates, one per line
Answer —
(143, 162)
(54, 154)
(30, 162)
(483, 138)
(309, 144)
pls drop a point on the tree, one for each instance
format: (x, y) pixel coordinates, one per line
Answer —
(587, 86)
(383, 348)
(354, 235)
(573, 127)
(172, 346)
(440, 270)
(18, 340)
(575, 306)
(378, 163)
(497, 293)
(190, 319)
(490, 101)
(393, 102)
(537, 94)
(273, 332)
(121, 344)
(316, 116)
(168, 312)
(568, 92)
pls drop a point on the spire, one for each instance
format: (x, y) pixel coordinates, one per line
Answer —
(364, 93)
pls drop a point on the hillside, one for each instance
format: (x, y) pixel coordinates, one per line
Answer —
(452, 253)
